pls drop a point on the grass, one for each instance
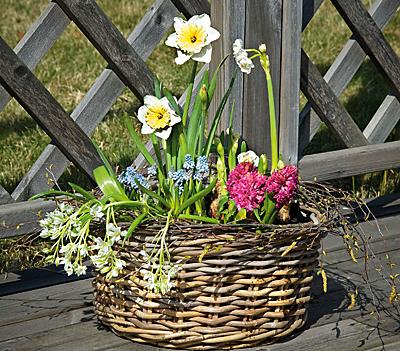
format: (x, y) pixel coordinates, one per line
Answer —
(72, 65)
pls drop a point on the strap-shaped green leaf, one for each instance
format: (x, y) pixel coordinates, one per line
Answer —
(109, 185)
(197, 196)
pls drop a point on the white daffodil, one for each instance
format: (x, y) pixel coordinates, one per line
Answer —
(249, 156)
(193, 39)
(157, 116)
(241, 57)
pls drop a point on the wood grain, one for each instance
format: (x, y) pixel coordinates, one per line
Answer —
(343, 69)
(263, 25)
(372, 40)
(290, 81)
(310, 7)
(190, 8)
(48, 113)
(5, 197)
(37, 41)
(22, 217)
(100, 97)
(327, 105)
(383, 121)
(349, 162)
(228, 18)
(111, 44)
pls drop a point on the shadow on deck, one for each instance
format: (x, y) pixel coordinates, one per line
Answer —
(43, 309)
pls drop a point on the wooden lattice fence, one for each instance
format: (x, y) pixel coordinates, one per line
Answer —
(276, 22)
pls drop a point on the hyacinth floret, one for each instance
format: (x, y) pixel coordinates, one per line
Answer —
(179, 178)
(246, 186)
(129, 176)
(188, 166)
(202, 168)
(152, 171)
(283, 184)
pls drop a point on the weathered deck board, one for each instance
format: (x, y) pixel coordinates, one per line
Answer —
(59, 317)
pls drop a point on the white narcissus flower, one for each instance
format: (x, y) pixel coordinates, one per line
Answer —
(241, 57)
(157, 116)
(249, 156)
(193, 39)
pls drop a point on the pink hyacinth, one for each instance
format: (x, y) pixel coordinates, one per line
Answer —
(246, 186)
(283, 184)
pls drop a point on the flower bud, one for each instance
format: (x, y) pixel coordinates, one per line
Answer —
(263, 158)
(262, 48)
(220, 150)
(203, 95)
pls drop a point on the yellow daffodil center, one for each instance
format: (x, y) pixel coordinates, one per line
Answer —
(158, 117)
(191, 38)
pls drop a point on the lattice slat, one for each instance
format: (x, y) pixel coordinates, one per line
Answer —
(100, 97)
(32, 95)
(383, 121)
(327, 105)
(111, 44)
(343, 69)
(349, 162)
(372, 40)
(38, 40)
(5, 197)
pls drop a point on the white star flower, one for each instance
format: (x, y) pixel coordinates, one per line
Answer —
(157, 116)
(241, 57)
(193, 39)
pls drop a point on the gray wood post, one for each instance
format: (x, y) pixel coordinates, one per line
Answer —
(278, 24)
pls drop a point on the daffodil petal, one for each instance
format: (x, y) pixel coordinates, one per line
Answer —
(146, 129)
(202, 20)
(141, 115)
(172, 40)
(204, 55)
(174, 119)
(164, 134)
(182, 58)
(178, 24)
(150, 100)
(212, 34)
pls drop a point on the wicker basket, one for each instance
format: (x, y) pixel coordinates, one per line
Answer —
(240, 286)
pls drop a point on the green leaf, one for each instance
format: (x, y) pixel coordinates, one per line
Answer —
(138, 220)
(217, 118)
(214, 79)
(172, 100)
(189, 94)
(197, 196)
(86, 194)
(104, 159)
(193, 127)
(242, 214)
(53, 193)
(138, 142)
(199, 218)
(109, 185)
(152, 194)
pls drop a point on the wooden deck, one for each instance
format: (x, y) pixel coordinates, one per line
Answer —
(43, 309)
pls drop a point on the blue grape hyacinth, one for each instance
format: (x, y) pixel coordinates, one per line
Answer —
(128, 178)
(202, 168)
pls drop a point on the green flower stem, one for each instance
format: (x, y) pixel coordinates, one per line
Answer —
(156, 146)
(264, 60)
(189, 94)
(167, 155)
